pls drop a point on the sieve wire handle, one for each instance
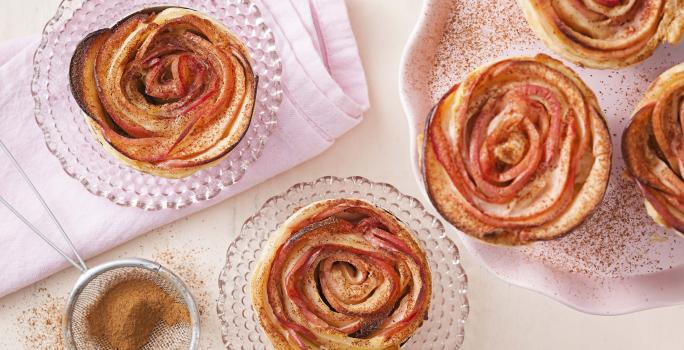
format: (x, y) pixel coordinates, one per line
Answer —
(80, 264)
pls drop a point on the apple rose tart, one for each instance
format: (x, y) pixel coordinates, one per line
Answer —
(518, 152)
(168, 91)
(341, 274)
(653, 148)
(605, 33)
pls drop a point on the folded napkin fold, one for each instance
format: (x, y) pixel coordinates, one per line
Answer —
(325, 94)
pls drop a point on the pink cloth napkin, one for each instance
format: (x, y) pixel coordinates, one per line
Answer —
(325, 94)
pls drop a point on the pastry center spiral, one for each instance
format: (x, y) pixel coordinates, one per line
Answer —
(511, 151)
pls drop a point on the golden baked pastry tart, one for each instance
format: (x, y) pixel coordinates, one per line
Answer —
(519, 151)
(341, 274)
(653, 148)
(605, 33)
(167, 91)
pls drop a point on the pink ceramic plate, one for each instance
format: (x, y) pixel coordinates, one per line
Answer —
(619, 261)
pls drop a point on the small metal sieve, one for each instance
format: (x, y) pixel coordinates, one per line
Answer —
(94, 282)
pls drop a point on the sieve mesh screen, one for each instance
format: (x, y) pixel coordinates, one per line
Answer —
(177, 336)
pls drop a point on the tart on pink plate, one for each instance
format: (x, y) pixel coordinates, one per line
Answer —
(653, 146)
(618, 259)
(517, 152)
(606, 34)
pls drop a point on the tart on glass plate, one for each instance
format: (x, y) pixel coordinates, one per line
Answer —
(167, 90)
(245, 316)
(127, 171)
(342, 274)
(518, 152)
(605, 33)
(653, 149)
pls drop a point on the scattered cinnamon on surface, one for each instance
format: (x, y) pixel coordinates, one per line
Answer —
(193, 271)
(473, 36)
(189, 263)
(128, 313)
(40, 325)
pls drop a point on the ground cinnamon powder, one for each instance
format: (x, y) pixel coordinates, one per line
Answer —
(129, 311)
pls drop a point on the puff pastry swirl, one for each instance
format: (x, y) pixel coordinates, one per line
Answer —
(167, 91)
(341, 274)
(517, 152)
(605, 33)
(653, 148)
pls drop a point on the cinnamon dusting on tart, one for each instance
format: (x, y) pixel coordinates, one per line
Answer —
(167, 91)
(342, 274)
